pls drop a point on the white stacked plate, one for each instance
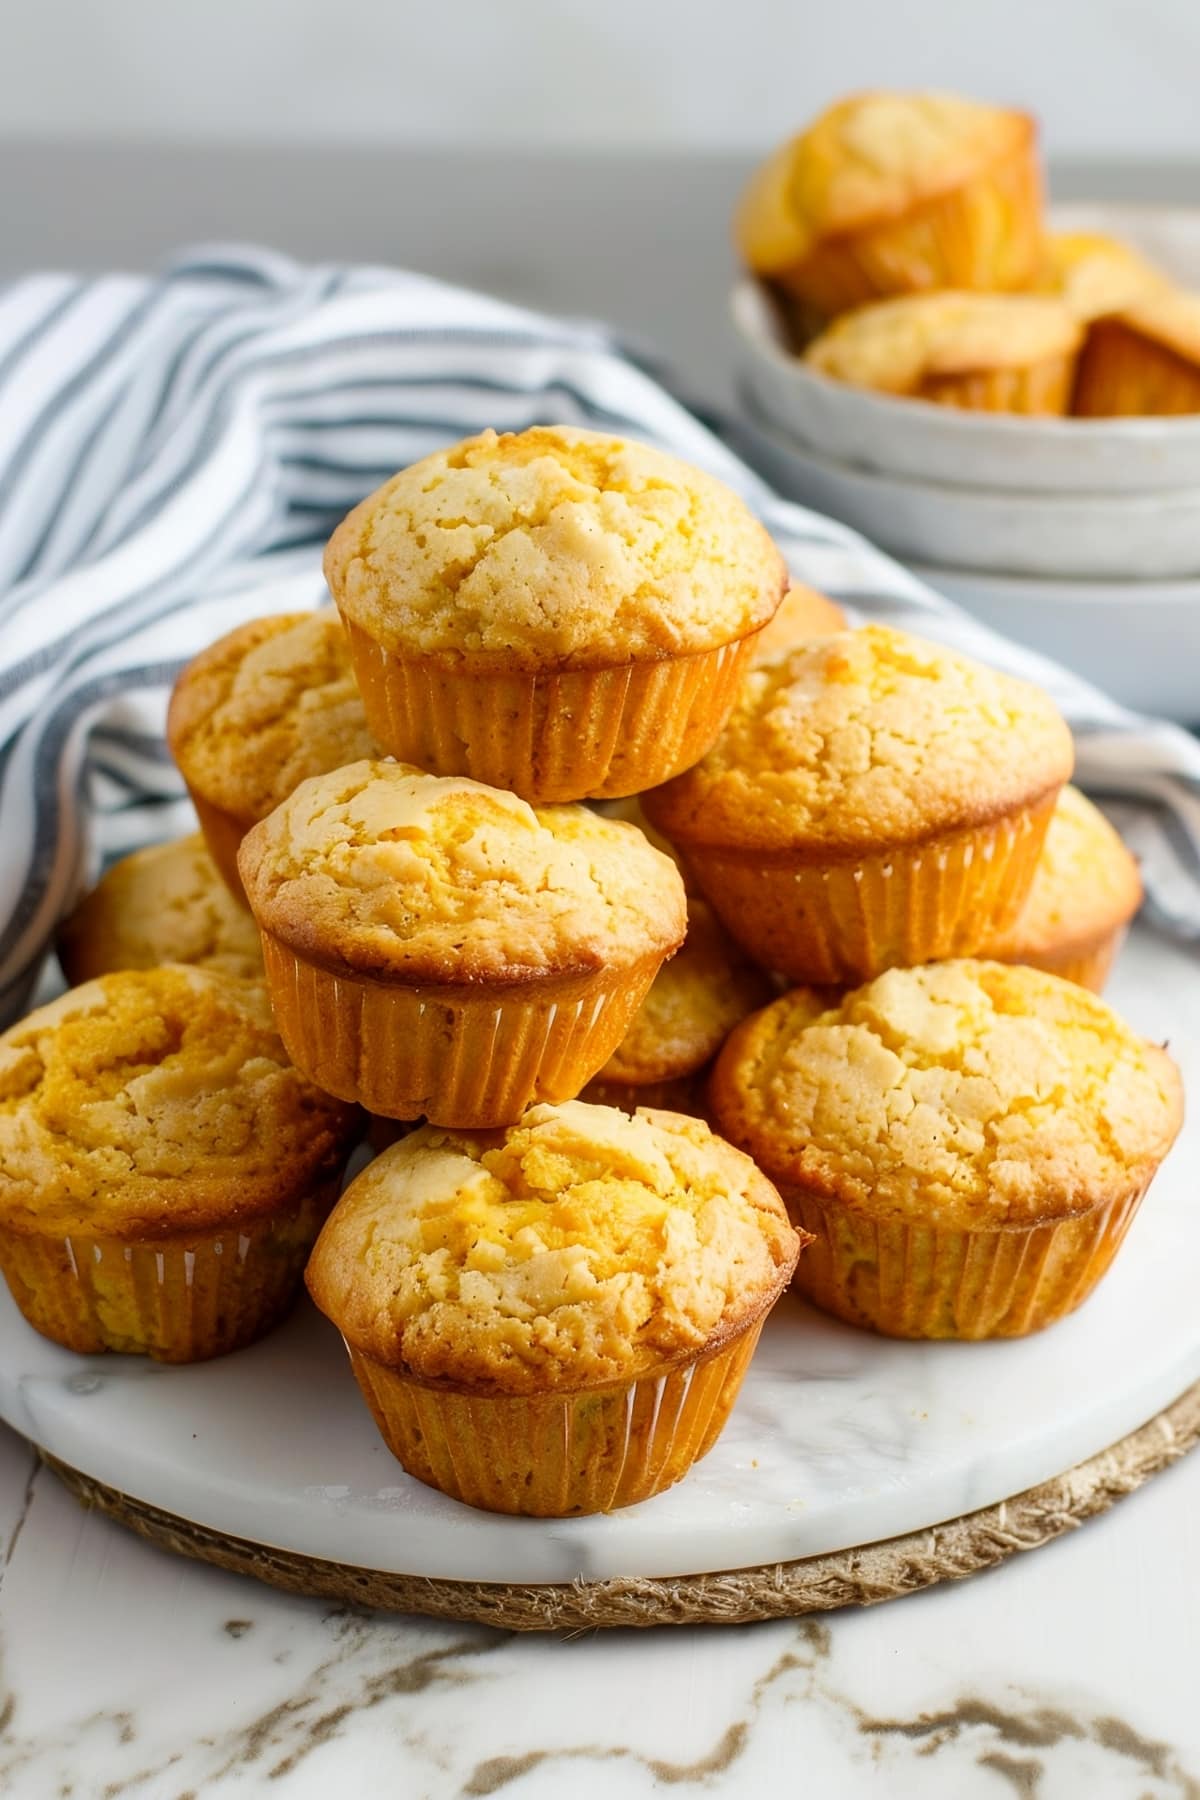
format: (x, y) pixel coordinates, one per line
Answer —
(1079, 536)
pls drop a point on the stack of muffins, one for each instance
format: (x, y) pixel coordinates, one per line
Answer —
(903, 237)
(874, 1066)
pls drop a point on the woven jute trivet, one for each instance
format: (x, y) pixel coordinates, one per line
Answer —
(861, 1577)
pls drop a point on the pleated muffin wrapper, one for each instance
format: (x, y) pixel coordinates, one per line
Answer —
(1041, 389)
(1124, 374)
(180, 1297)
(559, 1455)
(674, 1093)
(223, 834)
(837, 923)
(985, 233)
(463, 1057)
(1087, 962)
(550, 734)
(911, 1280)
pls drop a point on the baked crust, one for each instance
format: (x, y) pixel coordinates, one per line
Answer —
(862, 741)
(899, 346)
(965, 1096)
(382, 872)
(264, 708)
(166, 903)
(553, 548)
(870, 158)
(158, 1102)
(578, 1249)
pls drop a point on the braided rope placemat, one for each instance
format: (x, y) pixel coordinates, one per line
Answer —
(859, 1577)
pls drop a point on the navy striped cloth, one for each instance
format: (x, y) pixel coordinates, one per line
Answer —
(174, 450)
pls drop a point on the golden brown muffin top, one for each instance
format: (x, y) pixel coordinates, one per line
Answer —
(895, 346)
(264, 708)
(970, 1095)
(557, 547)
(862, 740)
(1094, 275)
(163, 904)
(1086, 885)
(630, 811)
(869, 158)
(579, 1247)
(1170, 317)
(694, 1003)
(804, 614)
(382, 870)
(155, 1101)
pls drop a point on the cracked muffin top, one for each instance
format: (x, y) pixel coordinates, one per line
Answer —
(163, 904)
(155, 1101)
(578, 1247)
(896, 346)
(867, 159)
(866, 739)
(553, 546)
(379, 869)
(264, 708)
(964, 1094)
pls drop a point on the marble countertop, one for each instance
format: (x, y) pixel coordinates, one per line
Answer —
(126, 1674)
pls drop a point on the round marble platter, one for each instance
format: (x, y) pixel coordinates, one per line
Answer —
(839, 1438)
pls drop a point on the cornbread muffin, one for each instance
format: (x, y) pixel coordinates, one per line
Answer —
(694, 1003)
(556, 612)
(989, 352)
(1145, 359)
(163, 904)
(163, 1168)
(804, 614)
(555, 1318)
(257, 713)
(1094, 275)
(968, 1142)
(435, 946)
(873, 799)
(1085, 891)
(894, 193)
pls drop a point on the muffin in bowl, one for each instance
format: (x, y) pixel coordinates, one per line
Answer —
(554, 1319)
(163, 1168)
(1142, 360)
(437, 947)
(259, 711)
(896, 193)
(968, 1143)
(1011, 353)
(1095, 275)
(873, 799)
(557, 612)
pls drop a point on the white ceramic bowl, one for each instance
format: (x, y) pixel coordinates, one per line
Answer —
(1107, 537)
(918, 441)
(1139, 642)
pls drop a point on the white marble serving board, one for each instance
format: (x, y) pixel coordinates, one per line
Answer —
(839, 1438)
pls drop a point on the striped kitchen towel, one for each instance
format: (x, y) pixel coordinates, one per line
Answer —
(174, 450)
